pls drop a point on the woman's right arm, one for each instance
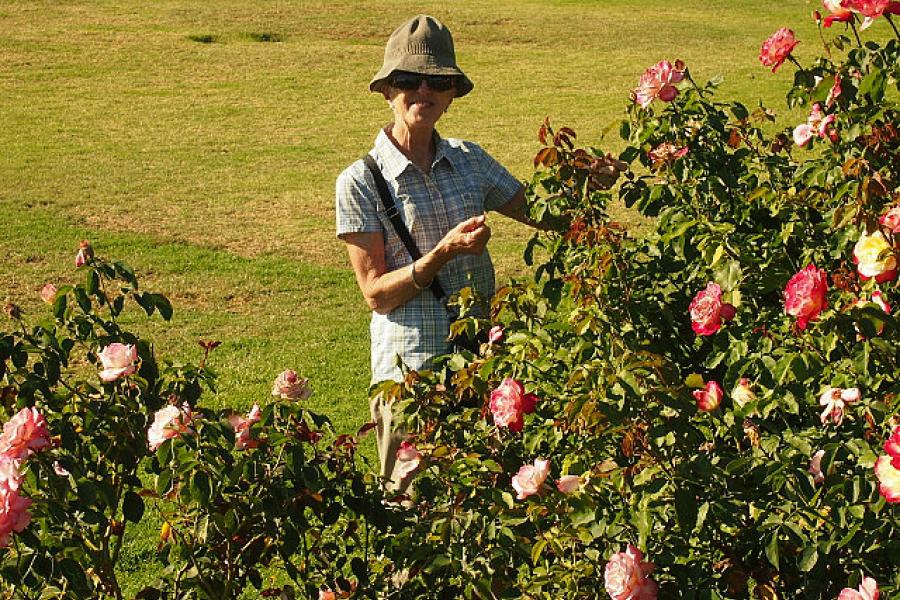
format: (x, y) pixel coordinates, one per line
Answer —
(385, 290)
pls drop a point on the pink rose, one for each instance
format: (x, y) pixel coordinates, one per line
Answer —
(875, 258)
(530, 478)
(816, 125)
(891, 219)
(242, 438)
(85, 254)
(10, 475)
(14, 516)
(666, 153)
(118, 361)
(569, 484)
(627, 577)
(835, 400)
(868, 590)
(743, 392)
(289, 386)
(838, 12)
(658, 82)
(708, 311)
(804, 295)
(872, 9)
(327, 595)
(888, 479)
(169, 422)
(777, 48)
(509, 404)
(892, 447)
(24, 434)
(495, 334)
(408, 459)
(709, 398)
(48, 293)
(815, 467)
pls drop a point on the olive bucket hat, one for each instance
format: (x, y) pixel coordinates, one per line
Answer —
(422, 45)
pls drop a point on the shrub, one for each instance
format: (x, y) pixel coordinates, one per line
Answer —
(712, 399)
(103, 430)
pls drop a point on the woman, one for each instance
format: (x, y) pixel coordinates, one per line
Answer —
(440, 188)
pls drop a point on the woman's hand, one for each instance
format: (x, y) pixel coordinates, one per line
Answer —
(469, 237)
(384, 291)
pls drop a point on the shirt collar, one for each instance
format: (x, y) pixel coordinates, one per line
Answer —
(394, 162)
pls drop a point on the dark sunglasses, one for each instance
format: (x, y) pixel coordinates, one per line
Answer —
(411, 81)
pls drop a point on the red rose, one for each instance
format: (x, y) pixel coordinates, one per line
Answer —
(804, 295)
(777, 48)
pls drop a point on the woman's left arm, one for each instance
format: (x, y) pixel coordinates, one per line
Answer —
(517, 209)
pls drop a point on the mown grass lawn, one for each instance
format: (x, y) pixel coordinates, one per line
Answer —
(199, 142)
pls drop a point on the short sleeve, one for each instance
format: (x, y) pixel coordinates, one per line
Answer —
(355, 208)
(498, 184)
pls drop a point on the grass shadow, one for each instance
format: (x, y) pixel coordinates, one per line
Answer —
(265, 36)
(203, 39)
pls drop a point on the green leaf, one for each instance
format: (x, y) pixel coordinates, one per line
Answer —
(783, 368)
(163, 306)
(772, 549)
(93, 282)
(536, 550)
(164, 482)
(686, 509)
(132, 506)
(873, 85)
(808, 559)
(729, 275)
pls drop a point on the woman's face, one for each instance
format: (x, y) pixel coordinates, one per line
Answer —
(420, 107)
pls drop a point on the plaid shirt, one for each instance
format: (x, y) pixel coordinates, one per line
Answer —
(465, 181)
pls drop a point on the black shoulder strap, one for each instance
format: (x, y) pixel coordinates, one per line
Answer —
(399, 226)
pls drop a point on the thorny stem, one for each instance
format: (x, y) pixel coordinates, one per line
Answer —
(794, 60)
(825, 44)
(687, 74)
(890, 20)
(855, 32)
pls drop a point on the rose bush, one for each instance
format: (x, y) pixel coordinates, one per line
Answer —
(97, 429)
(761, 277)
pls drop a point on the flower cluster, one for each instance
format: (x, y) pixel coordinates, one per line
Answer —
(777, 48)
(874, 258)
(23, 435)
(708, 312)
(709, 398)
(290, 386)
(169, 422)
(118, 361)
(627, 576)
(242, 438)
(834, 401)
(817, 124)
(509, 404)
(868, 590)
(887, 468)
(804, 295)
(659, 81)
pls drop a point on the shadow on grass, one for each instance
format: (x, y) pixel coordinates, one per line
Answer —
(203, 39)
